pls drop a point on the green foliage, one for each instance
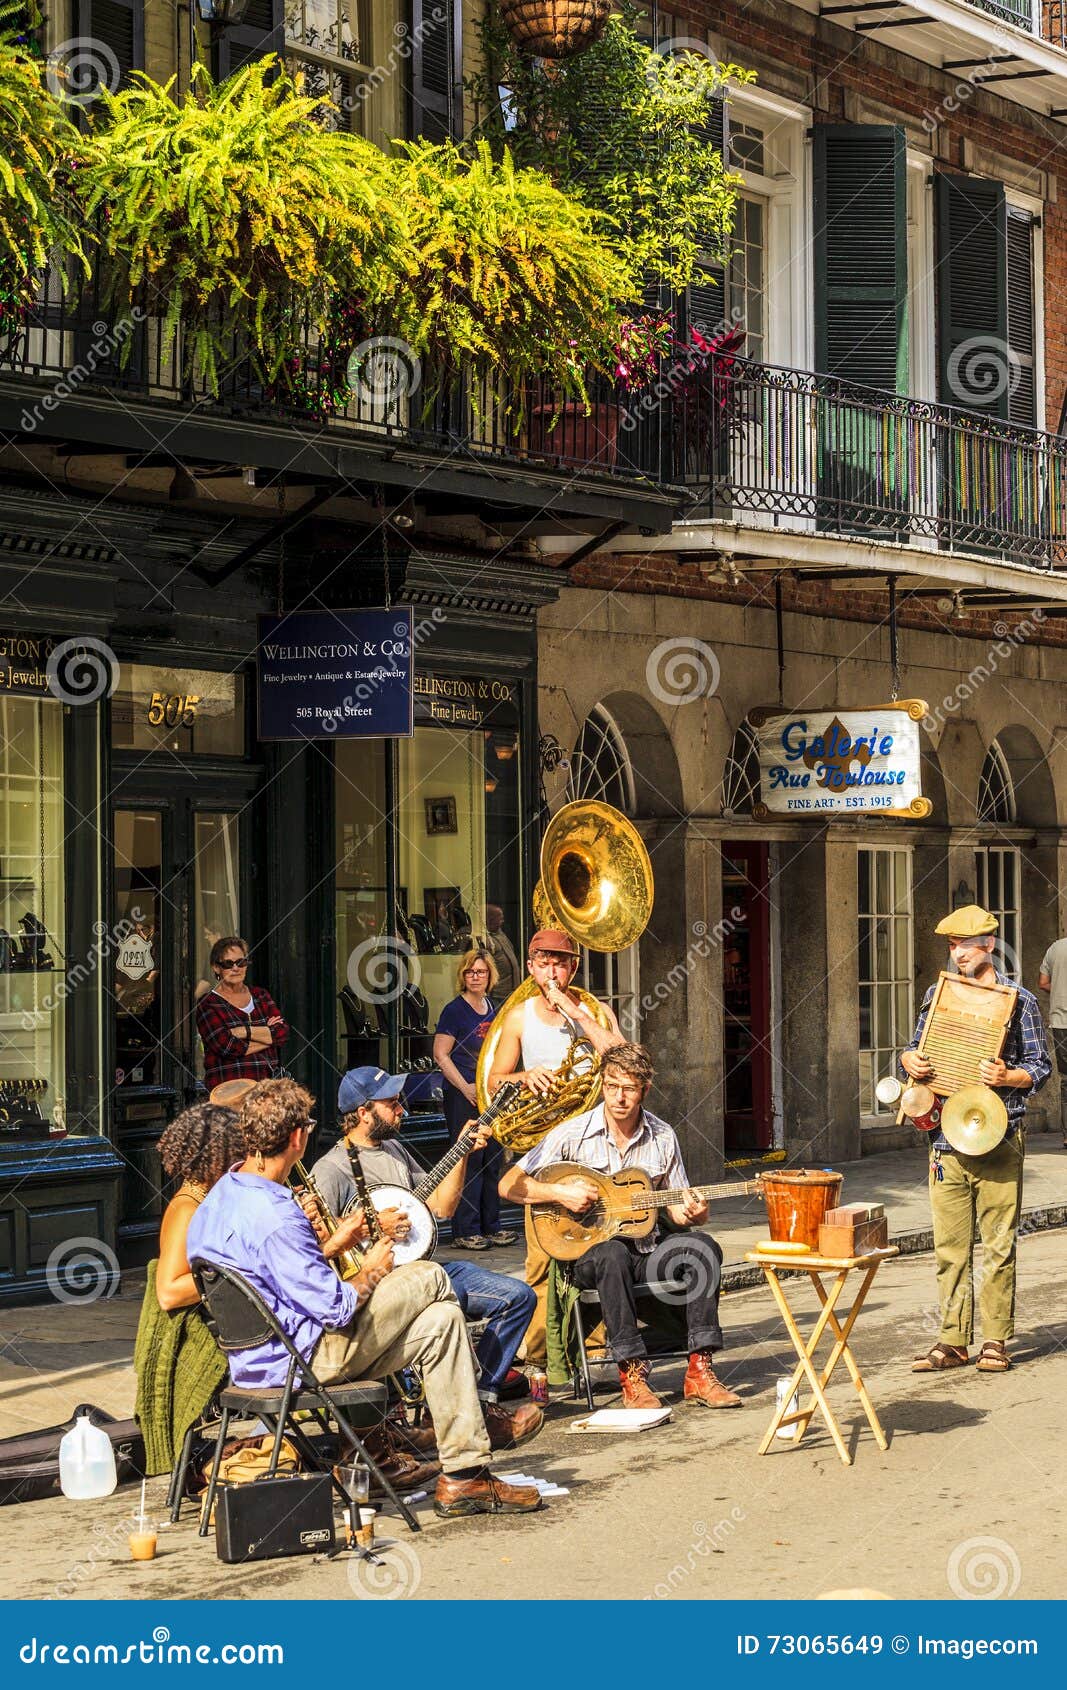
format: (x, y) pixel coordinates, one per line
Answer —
(619, 125)
(241, 211)
(37, 147)
(507, 270)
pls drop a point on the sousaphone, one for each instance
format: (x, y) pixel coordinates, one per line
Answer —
(596, 885)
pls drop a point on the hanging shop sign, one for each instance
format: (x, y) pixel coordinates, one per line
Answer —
(335, 674)
(465, 701)
(842, 762)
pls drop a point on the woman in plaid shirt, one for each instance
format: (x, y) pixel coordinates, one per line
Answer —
(240, 1026)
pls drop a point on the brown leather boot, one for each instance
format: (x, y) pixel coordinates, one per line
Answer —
(633, 1377)
(509, 1427)
(405, 1473)
(702, 1386)
(485, 1494)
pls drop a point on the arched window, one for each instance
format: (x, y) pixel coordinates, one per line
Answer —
(998, 867)
(740, 775)
(600, 768)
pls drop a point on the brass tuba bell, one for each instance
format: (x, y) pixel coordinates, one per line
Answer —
(596, 885)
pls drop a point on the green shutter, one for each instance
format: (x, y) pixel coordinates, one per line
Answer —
(972, 292)
(1022, 399)
(119, 27)
(703, 306)
(861, 256)
(436, 74)
(261, 31)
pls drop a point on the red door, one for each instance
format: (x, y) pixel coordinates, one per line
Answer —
(746, 997)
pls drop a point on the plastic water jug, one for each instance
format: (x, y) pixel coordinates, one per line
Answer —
(86, 1461)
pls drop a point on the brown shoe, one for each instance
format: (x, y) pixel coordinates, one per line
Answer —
(702, 1386)
(484, 1495)
(633, 1377)
(509, 1427)
(414, 1440)
(405, 1473)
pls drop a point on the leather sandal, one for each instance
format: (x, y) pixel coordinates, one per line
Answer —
(941, 1359)
(994, 1357)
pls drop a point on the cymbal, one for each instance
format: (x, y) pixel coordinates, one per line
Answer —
(974, 1120)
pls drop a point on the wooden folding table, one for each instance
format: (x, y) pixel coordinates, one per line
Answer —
(817, 1268)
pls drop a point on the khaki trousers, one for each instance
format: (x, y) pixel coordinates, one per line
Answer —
(980, 1194)
(412, 1318)
(536, 1273)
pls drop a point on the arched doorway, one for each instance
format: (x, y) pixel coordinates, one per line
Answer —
(749, 986)
(998, 864)
(600, 767)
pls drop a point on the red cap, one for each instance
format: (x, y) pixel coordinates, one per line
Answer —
(553, 939)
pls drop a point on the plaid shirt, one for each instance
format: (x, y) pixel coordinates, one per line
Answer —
(227, 1058)
(585, 1139)
(1025, 1047)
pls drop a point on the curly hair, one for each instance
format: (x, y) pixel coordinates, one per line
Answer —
(271, 1113)
(631, 1060)
(201, 1143)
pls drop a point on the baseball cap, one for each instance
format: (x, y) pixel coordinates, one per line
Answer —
(553, 939)
(970, 922)
(367, 1085)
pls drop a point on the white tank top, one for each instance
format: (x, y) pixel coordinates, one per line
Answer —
(542, 1046)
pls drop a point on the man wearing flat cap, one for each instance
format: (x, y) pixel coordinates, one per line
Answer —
(983, 1192)
(533, 1042)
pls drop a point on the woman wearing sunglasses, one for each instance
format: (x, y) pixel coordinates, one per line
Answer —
(240, 1026)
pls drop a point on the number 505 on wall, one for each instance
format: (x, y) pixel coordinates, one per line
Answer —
(176, 710)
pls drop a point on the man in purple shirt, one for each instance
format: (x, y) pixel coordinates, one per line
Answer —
(384, 1319)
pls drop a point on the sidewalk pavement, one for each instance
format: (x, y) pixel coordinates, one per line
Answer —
(57, 1355)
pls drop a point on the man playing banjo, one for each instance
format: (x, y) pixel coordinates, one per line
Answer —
(371, 1108)
(621, 1133)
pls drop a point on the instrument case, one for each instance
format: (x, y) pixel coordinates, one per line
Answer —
(29, 1462)
(272, 1517)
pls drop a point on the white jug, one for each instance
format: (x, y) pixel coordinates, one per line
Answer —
(86, 1461)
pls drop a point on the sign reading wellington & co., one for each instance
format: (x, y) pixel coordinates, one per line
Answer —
(344, 674)
(842, 762)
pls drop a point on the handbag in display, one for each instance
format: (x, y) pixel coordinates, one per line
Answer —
(273, 1517)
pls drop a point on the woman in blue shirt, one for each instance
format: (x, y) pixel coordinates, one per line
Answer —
(461, 1030)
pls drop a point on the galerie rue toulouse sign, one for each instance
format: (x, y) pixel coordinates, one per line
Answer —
(842, 762)
(336, 674)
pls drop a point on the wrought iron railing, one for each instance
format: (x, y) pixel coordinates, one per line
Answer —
(73, 344)
(818, 454)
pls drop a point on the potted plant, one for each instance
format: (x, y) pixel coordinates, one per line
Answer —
(38, 147)
(244, 217)
(555, 29)
(588, 433)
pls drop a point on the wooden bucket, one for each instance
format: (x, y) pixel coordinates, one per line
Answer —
(796, 1202)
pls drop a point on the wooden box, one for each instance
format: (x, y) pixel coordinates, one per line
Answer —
(847, 1214)
(856, 1238)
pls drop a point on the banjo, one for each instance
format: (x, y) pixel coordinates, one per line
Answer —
(421, 1241)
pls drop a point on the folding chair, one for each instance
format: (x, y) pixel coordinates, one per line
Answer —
(665, 1288)
(242, 1320)
(176, 1490)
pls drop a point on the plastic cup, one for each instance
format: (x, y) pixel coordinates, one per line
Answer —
(143, 1544)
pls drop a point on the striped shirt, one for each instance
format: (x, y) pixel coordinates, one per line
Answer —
(586, 1140)
(1025, 1047)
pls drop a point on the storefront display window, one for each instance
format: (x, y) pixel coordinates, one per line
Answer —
(34, 983)
(192, 712)
(885, 967)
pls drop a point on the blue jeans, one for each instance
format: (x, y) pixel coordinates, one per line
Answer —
(478, 1213)
(506, 1304)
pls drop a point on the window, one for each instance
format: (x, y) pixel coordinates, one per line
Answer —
(600, 768)
(188, 712)
(740, 776)
(327, 42)
(884, 967)
(996, 789)
(746, 277)
(997, 875)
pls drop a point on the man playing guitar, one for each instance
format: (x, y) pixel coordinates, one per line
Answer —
(532, 1044)
(621, 1133)
(372, 1110)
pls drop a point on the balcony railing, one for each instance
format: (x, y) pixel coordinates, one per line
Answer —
(817, 454)
(75, 346)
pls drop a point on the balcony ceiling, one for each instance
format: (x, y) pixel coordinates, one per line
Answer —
(964, 41)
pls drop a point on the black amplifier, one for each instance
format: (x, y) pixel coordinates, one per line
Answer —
(272, 1517)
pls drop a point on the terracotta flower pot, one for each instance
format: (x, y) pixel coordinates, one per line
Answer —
(576, 438)
(555, 29)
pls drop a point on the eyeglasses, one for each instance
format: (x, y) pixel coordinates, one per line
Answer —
(234, 962)
(309, 1126)
(471, 972)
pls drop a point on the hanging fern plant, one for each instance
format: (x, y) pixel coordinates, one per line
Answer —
(241, 213)
(38, 146)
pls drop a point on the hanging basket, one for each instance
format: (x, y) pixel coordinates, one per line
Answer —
(555, 29)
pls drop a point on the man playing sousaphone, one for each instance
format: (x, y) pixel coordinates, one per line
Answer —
(987, 1189)
(534, 1040)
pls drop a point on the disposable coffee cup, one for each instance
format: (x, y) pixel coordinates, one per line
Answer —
(782, 1388)
(365, 1535)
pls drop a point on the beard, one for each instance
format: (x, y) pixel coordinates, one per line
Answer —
(382, 1127)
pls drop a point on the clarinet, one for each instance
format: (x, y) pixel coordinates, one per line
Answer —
(359, 1180)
